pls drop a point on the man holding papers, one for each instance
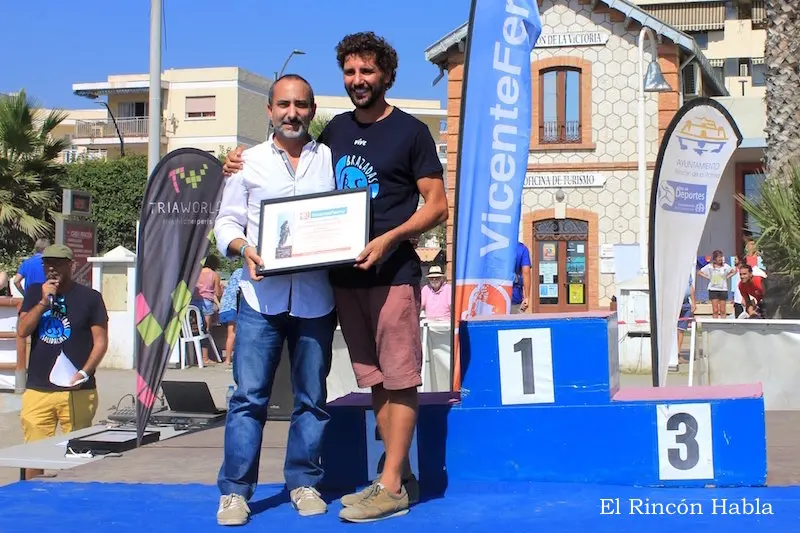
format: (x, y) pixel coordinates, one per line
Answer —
(68, 326)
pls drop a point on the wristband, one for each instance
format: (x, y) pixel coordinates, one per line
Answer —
(242, 249)
(83, 373)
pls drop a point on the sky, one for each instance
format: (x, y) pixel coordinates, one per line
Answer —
(46, 49)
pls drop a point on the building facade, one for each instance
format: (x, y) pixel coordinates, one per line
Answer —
(213, 109)
(730, 33)
(581, 195)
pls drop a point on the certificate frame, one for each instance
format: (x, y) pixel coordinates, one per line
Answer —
(279, 218)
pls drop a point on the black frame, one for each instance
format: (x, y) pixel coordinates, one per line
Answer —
(303, 197)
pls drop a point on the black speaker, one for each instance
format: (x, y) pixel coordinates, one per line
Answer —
(281, 400)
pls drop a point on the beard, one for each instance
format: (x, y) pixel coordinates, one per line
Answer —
(365, 95)
(301, 131)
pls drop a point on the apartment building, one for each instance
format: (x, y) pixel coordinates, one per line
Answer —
(212, 109)
(580, 197)
(730, 33)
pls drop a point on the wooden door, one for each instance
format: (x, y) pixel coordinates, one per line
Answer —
(560, 276)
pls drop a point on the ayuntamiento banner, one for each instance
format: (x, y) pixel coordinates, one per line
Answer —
(494, 136)
(178, 211)
(691, 161)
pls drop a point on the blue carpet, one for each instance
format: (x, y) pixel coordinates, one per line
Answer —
(42, 507)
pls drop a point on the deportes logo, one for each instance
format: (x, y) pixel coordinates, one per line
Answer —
(486, 299)
(192, 179)
(703, 135)
(681, 197)
(355, 172)
(54, 328)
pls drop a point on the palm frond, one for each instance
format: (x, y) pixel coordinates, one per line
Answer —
(777, 213)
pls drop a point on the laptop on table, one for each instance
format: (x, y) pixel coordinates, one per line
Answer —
(189, 402)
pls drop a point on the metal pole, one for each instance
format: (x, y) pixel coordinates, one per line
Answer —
(642, 159)
(154, 127)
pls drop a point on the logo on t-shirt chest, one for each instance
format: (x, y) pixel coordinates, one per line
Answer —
(54, 328)
(355, 172)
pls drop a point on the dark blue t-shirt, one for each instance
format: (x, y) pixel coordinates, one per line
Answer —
(523, 260)
(388, 157)
(64, 328)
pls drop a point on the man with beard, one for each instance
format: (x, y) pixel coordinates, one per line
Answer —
(294, 307)
(437, 295)
(393, 154)
(64, 319)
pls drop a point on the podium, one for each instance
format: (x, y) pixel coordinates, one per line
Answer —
(541, 401)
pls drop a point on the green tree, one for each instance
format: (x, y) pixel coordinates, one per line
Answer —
(29, 172)
(117, 187)
(318, 124)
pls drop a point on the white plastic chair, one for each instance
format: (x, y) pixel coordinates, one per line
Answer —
(188, 335)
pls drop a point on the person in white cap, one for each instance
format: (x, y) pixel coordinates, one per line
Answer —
(436, 295)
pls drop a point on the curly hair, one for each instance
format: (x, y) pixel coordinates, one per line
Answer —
(369, 44)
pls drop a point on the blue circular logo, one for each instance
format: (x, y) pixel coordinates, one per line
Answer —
(354, 172)
(54, 329)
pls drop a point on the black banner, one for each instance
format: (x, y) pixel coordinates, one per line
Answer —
(178, 211)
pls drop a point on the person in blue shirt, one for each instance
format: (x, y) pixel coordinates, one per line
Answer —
(32, 269)
(522, 280)
(228, 308)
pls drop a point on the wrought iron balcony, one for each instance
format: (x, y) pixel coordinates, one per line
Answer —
(556, 132)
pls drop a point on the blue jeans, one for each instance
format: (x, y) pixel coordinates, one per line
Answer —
(259, 343)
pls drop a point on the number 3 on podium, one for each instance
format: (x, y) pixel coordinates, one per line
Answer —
(685, 448)
(526, 366)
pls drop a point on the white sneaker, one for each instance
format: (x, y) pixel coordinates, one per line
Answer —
(308, 501)
(233, 510)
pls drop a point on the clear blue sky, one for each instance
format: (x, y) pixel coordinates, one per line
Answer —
(48, 48)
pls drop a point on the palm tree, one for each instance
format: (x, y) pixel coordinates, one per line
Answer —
(776, 212)
(782, 57)
(29, 173)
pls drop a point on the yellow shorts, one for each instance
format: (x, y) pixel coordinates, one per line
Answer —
(42, 412)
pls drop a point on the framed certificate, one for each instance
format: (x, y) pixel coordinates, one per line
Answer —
(313, 231)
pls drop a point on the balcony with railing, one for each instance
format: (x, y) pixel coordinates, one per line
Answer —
(74, 155)
(558, 132)
(129, 127)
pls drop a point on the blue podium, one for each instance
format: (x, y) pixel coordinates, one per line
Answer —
(540, 401)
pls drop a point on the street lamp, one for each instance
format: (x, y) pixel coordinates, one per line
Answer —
(294, 52)
(93, 96)
(278, 74)
(651, 81)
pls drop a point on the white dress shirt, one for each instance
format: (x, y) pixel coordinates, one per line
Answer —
(266, 174)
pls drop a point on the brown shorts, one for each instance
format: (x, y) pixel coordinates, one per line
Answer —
(381, 328)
